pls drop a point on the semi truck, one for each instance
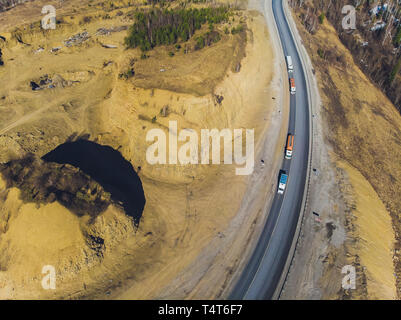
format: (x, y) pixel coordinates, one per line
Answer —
(290, 66)
(289, 147)
(283, 183)
(293, 88)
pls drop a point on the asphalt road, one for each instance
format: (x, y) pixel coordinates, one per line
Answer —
(262, 273)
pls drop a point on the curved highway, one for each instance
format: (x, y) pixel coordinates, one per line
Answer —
(261, 276)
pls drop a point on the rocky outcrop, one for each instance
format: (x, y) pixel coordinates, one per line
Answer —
(77, 39)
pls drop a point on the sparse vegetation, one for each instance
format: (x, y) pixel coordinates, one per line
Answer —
(128, 74)
(166, 27)
(207, 39)
(237, 29)
(397, 38)
(320, 52)
(321, 18)
(86, 19)
(395, 71)
(375, 44)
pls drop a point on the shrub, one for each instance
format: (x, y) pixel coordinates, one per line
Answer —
(321, 18)
(395, 71)
(128, 74)
(237, 29)
(86, 19)
(397, 38)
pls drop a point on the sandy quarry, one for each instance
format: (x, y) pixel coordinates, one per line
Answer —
(354, 187)
(187, 207)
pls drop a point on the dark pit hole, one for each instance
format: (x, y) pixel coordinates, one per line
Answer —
(107, 167)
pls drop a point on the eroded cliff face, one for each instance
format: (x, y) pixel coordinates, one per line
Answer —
(84, 252)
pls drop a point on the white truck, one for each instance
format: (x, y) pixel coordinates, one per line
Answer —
(290, 66)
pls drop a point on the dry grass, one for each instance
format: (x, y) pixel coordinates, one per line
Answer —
(197, 72)
(372, 226)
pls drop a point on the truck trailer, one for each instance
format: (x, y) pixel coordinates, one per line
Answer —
(290, 66)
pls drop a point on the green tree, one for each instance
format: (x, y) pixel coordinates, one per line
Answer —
(395, 71)
(321, 18)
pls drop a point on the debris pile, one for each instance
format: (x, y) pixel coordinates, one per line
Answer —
(218, 99)
(40, 49)
(81, 37)
(55, 49)
(238, 67)
(46, 82)
(106, 32)
(35, 86)
(109, 46)
(77, 39)
(43, 83)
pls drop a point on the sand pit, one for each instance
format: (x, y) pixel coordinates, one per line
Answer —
(187, 207)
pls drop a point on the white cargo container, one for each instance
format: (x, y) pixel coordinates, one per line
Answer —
(289, 64)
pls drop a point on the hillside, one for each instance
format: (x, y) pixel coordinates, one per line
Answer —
(362, 130)
(374, 43)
